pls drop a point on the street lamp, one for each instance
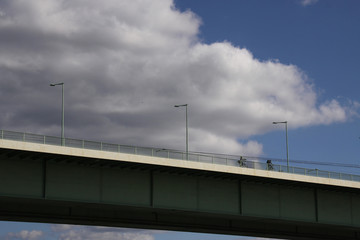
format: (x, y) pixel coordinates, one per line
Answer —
(287, 146)
(187, 132)
(62, 118)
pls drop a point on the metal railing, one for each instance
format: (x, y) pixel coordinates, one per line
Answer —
(230, 160)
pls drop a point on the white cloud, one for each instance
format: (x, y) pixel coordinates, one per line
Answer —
(308, 2)
(88, 235)
(26, 235)
(61, 227)
(126, 63)
(105, 233)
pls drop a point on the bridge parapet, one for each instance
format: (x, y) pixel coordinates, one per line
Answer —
(220, 159)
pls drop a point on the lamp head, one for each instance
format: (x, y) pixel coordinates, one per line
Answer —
(182, 105)
(55, 84)
(279, 122)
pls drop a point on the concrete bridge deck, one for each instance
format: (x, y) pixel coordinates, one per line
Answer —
(48, 183)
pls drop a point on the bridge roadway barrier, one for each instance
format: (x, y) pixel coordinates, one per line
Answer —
(58, 184)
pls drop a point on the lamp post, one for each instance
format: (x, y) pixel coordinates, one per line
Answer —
(187, 131)
(62, 117)
(287, 145)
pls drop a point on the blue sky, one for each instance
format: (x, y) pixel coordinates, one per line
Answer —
(321, 38)
(124, 74)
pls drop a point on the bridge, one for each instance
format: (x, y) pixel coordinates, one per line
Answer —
(93, 183)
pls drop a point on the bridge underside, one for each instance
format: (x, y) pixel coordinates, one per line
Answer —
(45, 211)
(54, 188)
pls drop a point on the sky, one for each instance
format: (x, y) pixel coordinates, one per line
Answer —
(238, 64)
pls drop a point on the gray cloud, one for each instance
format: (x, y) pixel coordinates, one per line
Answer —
(126, 63)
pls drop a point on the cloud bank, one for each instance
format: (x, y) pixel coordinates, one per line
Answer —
(76, 232)
(125, 64)
(70, 232)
